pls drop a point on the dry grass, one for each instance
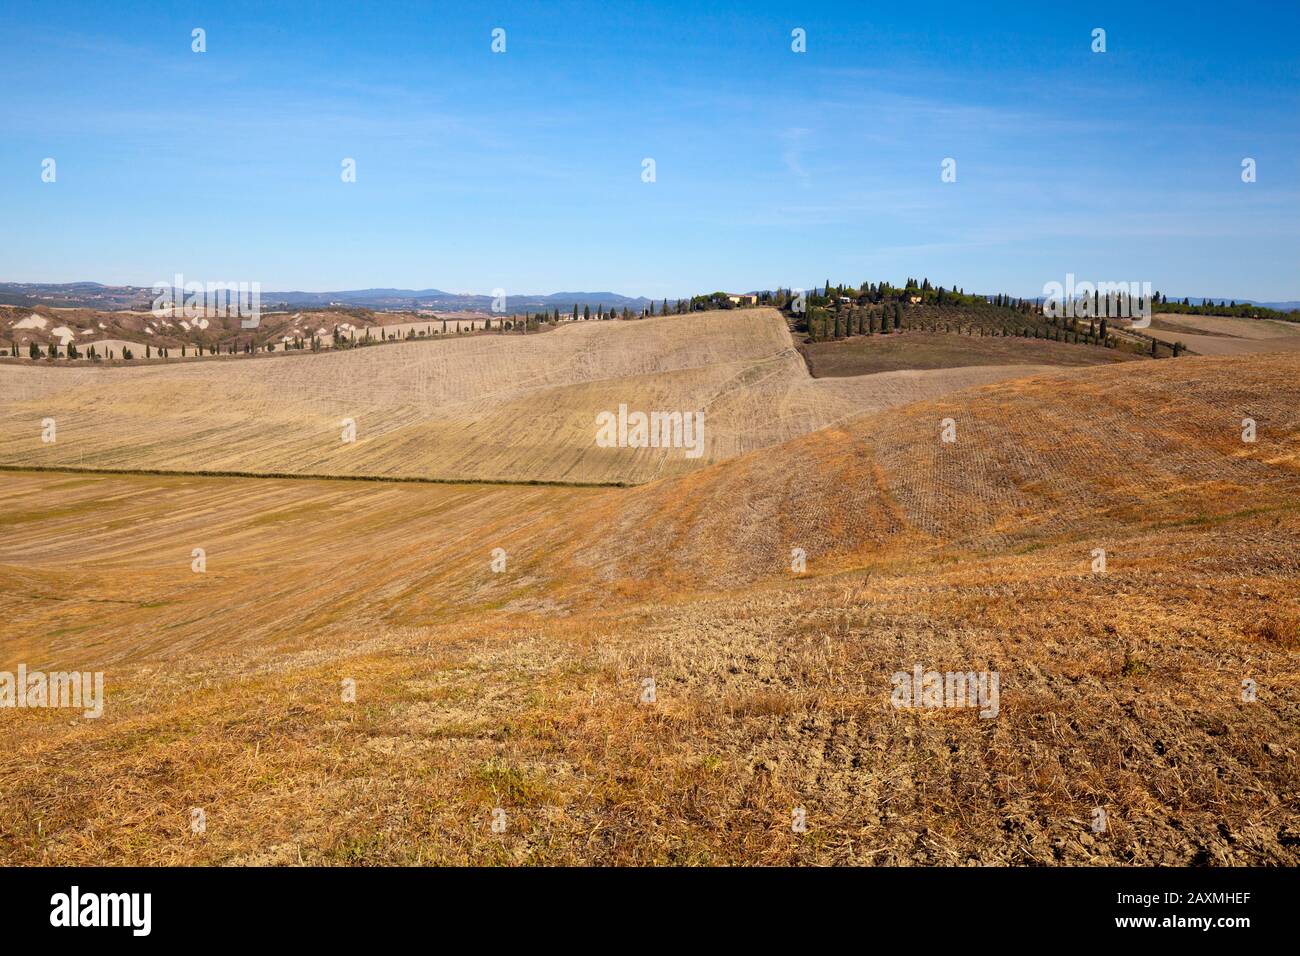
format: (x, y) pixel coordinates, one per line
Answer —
(1078, 454)
(868, 354)
(474, 408)
(1225, 335)
(520, 690)
(766, 700)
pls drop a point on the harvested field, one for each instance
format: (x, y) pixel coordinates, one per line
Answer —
(521, 689)
(864, 355)
(497, 408)
(1035, 460)
(1231, 326)
(1224, 335)
(148, 604)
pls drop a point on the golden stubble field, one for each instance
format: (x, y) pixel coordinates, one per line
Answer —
(1225, 335)
(523, 690)
(487, 408)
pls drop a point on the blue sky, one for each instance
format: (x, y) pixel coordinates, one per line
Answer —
(523, 170)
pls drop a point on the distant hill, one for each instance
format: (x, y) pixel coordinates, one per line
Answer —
(1290, 306)
(93, 295)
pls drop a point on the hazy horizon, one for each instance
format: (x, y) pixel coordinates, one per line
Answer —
(536, 293)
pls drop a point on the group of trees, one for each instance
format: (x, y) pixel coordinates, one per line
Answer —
(824, 322)
(71, 352)
(912, 292)
(840, 311)
(1228, 307)
(625, 313)
(709, 301)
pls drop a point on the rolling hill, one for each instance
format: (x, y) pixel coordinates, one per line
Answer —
(1035, 459)
(485, 408)
(522, 687)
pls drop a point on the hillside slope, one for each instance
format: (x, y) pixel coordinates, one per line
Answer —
(1036, 459)
(521, 688)
(512, 408)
